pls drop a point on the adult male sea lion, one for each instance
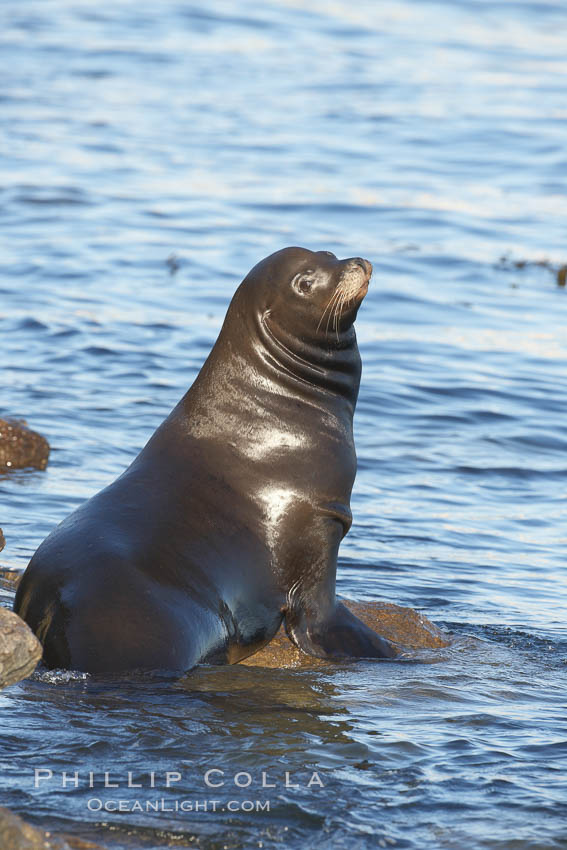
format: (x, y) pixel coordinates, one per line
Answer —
(230, 518)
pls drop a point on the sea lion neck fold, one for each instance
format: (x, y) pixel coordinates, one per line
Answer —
(334, 369)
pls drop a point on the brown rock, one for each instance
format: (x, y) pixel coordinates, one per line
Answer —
(2, 540)
(20, 650)
(16, 834)
(404, 626)
(76, 843)
(10, 577)
(20, 447)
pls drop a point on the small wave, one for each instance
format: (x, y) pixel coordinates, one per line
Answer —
(59, 677)
(52, 196)
(509, 636)
(512, 472)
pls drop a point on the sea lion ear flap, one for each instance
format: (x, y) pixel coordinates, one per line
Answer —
(302, 282)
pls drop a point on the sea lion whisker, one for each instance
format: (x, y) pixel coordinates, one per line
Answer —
(334, 300)
(339, 314)
(330, 301)
(334, 313)
(336, 309)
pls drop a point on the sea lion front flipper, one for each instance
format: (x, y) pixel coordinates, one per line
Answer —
(314, 620)
(339, 635)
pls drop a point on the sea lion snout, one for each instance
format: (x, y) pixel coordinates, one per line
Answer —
(355, 278)
(365, 265)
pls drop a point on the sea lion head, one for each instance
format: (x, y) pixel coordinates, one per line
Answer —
(310, 294)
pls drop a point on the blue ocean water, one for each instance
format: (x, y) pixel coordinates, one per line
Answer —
(151, 155)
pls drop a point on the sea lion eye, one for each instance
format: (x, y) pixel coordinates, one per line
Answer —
(303, 282)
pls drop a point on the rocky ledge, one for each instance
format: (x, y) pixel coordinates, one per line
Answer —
(16, 834)
(20, 447)
(20, 650)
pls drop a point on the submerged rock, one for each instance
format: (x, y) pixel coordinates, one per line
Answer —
(10, 577)
(20, 650)
(21, 447)
(404, 626)
(16, 834)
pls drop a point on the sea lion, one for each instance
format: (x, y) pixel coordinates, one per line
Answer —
(230, 519)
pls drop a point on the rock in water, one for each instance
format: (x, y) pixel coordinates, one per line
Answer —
(16, 834)
(404, 626)
(20, 651)
(20, 447)
(2, 540)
